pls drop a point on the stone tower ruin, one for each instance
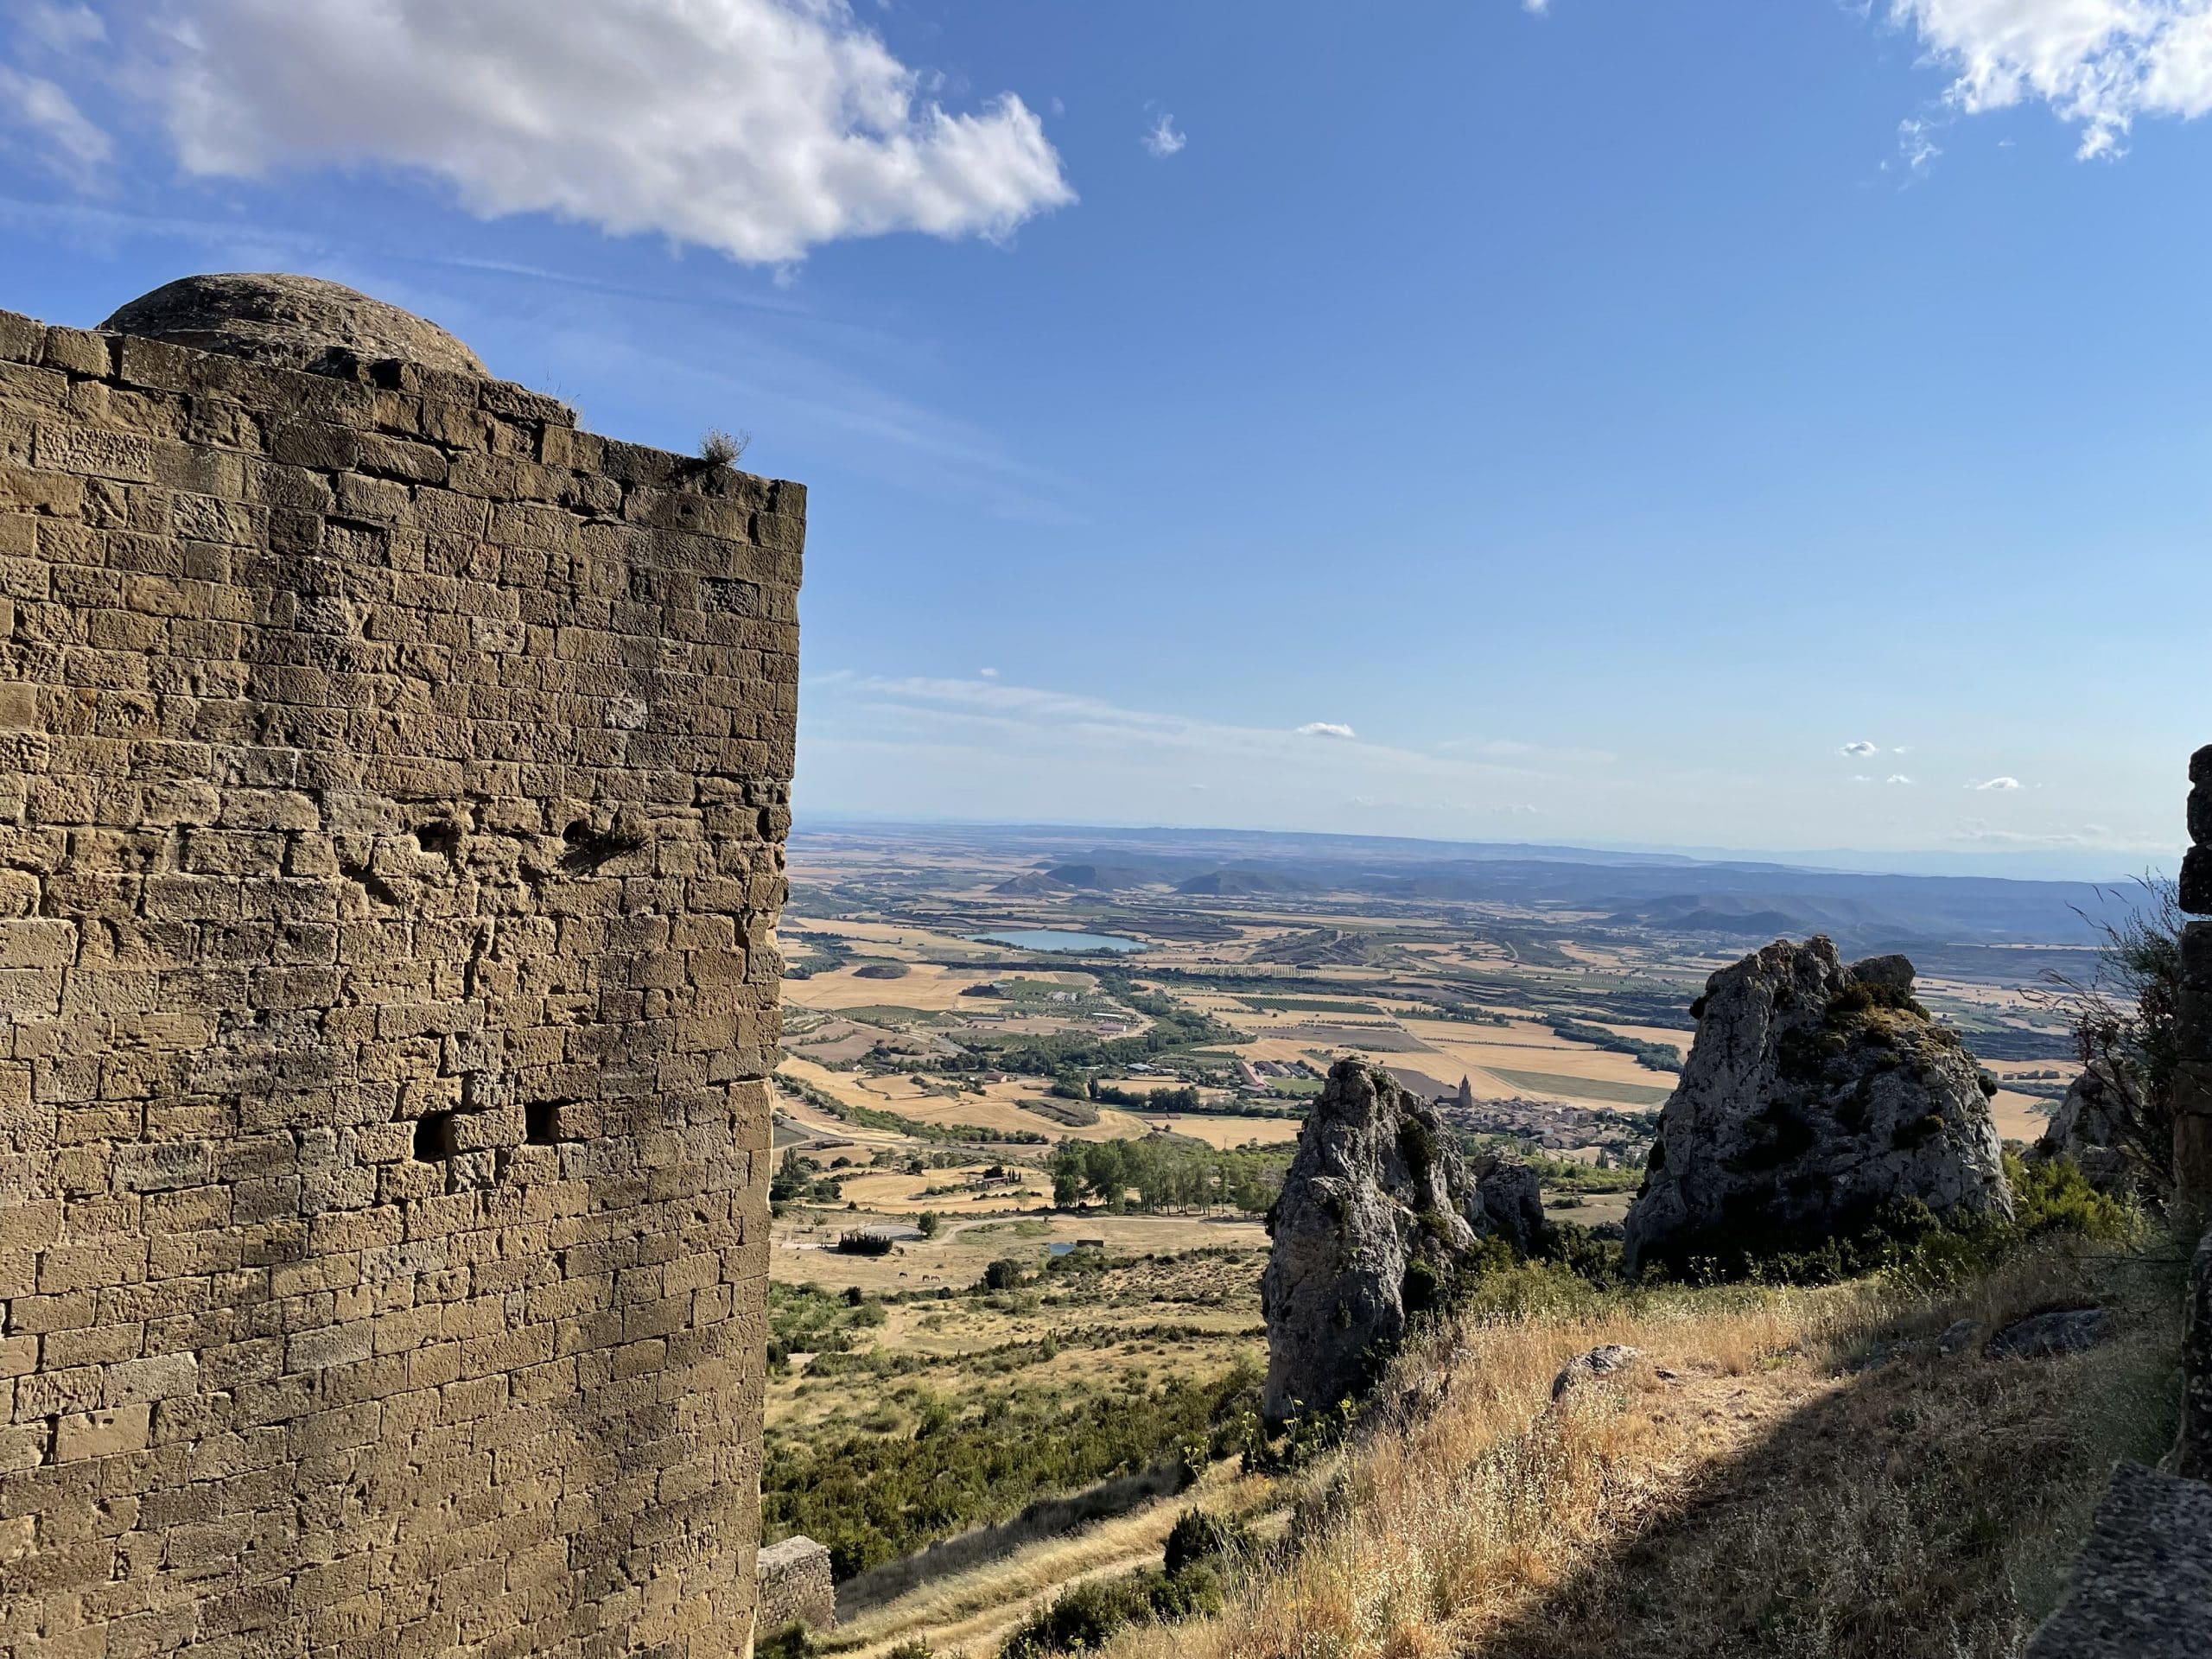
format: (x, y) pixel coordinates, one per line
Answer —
(393, 785)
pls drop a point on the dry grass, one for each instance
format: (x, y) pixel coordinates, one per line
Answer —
(971, 1613)
(1761, 1501)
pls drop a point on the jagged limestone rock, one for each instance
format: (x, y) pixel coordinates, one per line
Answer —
(1377, 1213)
(1816, 1097)
(2091, 1126)
(1599, 1362)
(2046, 1336)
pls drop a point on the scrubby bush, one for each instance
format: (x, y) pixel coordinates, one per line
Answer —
(874, 1496)
(790, 1641)
(721, 448)
(1083, 1617)
(1197, 1536)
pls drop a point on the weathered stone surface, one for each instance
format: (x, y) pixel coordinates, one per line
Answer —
(2193, 1450)
(289, 322)
(1814, 1097)
(2046, 1336)
(1506, 1202)
(2143, 1587)
(1376, 1213)
(2195, 894)
(2091, 1126)
(2192, 1097)
(390, 845)
(1599, 1362)
(795, 1587)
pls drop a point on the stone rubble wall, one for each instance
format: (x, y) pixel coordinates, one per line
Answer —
(393, 781)
(2193, 1092)
(795, 1587)
(2193, 1449)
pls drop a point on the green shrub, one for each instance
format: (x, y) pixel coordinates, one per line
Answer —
(1084, 1617)
(1199, 1537)
(2053, 1196)
(872, 1498)
(791, 1642)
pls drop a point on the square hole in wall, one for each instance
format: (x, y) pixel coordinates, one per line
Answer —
(434, 1137)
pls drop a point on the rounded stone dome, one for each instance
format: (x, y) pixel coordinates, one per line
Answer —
(288, 322)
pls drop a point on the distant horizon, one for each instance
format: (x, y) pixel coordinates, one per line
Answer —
(2077, 867)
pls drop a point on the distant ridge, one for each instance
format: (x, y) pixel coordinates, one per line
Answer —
(1748, 902)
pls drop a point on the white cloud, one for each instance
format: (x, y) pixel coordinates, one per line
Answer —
(49, 118)
(1325, 728)
(1161, 139)
(1897, 778)
(1860, 777)
(1861, 749)
(2098, 64)
(989, 673)
(1997, 783)
(759, 127)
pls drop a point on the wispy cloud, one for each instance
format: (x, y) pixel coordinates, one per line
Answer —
(1162, 139)
(1897, 778)
(1020, 744)
(1996, 783)
(60, 28)
(46, 120)
(1860, 749)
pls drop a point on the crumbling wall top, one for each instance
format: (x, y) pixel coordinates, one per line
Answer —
(289, 322)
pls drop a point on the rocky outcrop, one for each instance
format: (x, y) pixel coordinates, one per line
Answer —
(1376, 1214)
(1597, 1362)
(2046, 1336)
(288, 322)
(2091, 1126)
(1815, 1099)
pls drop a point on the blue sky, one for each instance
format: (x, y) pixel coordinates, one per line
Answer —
(1768, 424)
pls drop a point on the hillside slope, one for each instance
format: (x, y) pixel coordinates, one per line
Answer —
(1792, 1472)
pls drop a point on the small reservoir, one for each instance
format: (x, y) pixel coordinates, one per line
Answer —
(1045, 938)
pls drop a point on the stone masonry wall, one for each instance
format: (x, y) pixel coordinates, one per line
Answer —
(795, 1587)
(2193, 1094)
(393, 781)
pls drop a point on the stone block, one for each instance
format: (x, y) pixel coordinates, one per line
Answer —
(107, 1434)
(2196, 881)
(2193, 1450)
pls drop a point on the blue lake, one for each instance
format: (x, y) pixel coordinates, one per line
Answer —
(1044, 939)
